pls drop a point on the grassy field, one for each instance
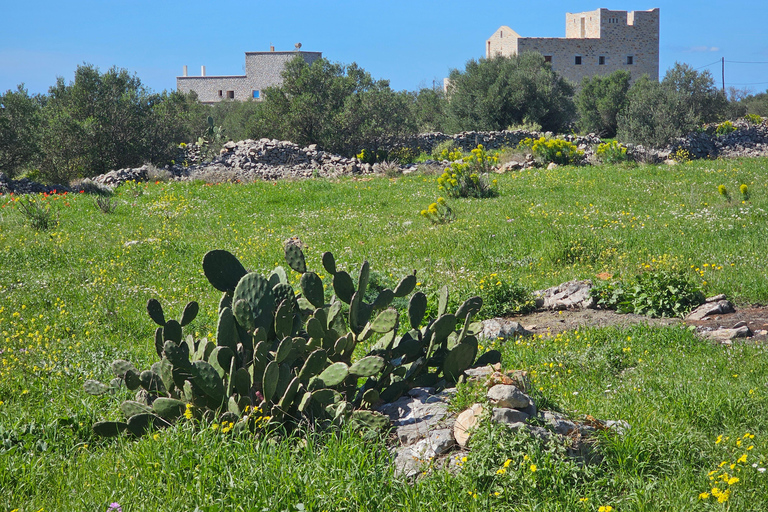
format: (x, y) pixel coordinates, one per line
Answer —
(72, 299)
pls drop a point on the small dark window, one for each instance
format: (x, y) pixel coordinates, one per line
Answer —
(577, 61)
(547, 58)
(221, 93)
(630, 60)
(231, 95)
(601, 60)
(501, 34)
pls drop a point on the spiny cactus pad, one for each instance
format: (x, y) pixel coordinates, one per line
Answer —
(385, 321)
(312, 288)
(155, 310)
(189, 313)
(223, 270)
(405, 286)
(417, 308)
(295, 257)
(254, 289)
(367, 366)
(109, 428)
(329, 263)
(334, 374)
(343, 286)
(459, 359)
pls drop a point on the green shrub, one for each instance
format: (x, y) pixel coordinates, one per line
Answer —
(559, 151)
(657, 293)
(611, 152)
(446, 150)
(502, 298)
(468, 177)
(753, 118)
(404, 154)
(725, 128)
(38, 213)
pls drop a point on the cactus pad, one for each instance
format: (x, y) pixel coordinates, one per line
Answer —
(367, 366)
(256, 292)
(284, 349)
(178, 355)
(109, 428)
(278, 276)
(226, 331)
(172, 331)
(120, 366)
(140, 424)
(312, 288)
(131, 408)
(459, 359)
(417, 308)
(168, 408)
(284, 319)
(329, 263)
(470, 307)
(189, 313)
(334, 374)
(369, 419)
(269, 382)
(295, 257)
(206, 378)
(221, 359)
(155, 310)
(385, 321)
(383, 299)
(94, 387)
(371, 396)
(443, 327)
(343, 286)
(442, 305)
(241, 381)
(405, 286)
(223, 270)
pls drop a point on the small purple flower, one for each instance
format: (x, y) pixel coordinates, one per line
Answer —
(115, 507)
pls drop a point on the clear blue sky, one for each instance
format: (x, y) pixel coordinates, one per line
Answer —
(411, 43)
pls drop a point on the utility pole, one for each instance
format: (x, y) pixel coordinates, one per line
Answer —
(723, 75)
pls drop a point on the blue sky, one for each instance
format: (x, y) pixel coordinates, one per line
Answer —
(411, 43)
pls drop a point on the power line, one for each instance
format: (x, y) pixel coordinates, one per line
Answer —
(716, 62)
(745, 62)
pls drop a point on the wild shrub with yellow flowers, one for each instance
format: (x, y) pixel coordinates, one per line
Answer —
(439, 212)
(725, 128)
(468, 177)
(546, 150)
(611, 152)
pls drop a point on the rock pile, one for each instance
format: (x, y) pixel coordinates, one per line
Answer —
(747, 141)
(426, 431)
(27, 186)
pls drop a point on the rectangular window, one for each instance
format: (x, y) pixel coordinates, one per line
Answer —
(577, 61)
(547, 58)
(256, 95)
(231, 95)
(221, 93)
(601, 60)
(630, 60)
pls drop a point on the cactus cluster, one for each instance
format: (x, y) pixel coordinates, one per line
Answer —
(289, 357)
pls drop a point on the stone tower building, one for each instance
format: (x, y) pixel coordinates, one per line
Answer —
(262, 70)
(595, 43)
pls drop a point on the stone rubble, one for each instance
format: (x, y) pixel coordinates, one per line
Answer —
(426, 431)
(571, 295)
(270, 159)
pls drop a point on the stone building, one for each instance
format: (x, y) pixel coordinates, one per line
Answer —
(262, 70)
(595, 43)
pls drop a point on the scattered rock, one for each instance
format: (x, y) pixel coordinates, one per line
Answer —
(725, 336)
(502, 328)
(571, 295)
(508, 416)
(508, 396)
(464, 424)
(718, 307)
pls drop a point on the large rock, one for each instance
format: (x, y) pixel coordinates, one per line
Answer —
(716, 307)
(508, 396)
(571, 295)
(504, 328)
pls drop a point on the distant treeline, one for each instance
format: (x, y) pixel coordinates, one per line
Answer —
(104, 121)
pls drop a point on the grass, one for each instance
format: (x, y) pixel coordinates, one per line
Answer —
(72, 299)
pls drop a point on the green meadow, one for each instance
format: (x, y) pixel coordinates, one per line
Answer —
(73, 297)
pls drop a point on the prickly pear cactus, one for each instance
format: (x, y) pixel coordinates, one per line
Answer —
(286, 354)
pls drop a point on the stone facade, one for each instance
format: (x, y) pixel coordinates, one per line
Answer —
(262, 70)
(595, 43)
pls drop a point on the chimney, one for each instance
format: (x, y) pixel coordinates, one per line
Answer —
(185, 71)
(202, 70)
(271, 48)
